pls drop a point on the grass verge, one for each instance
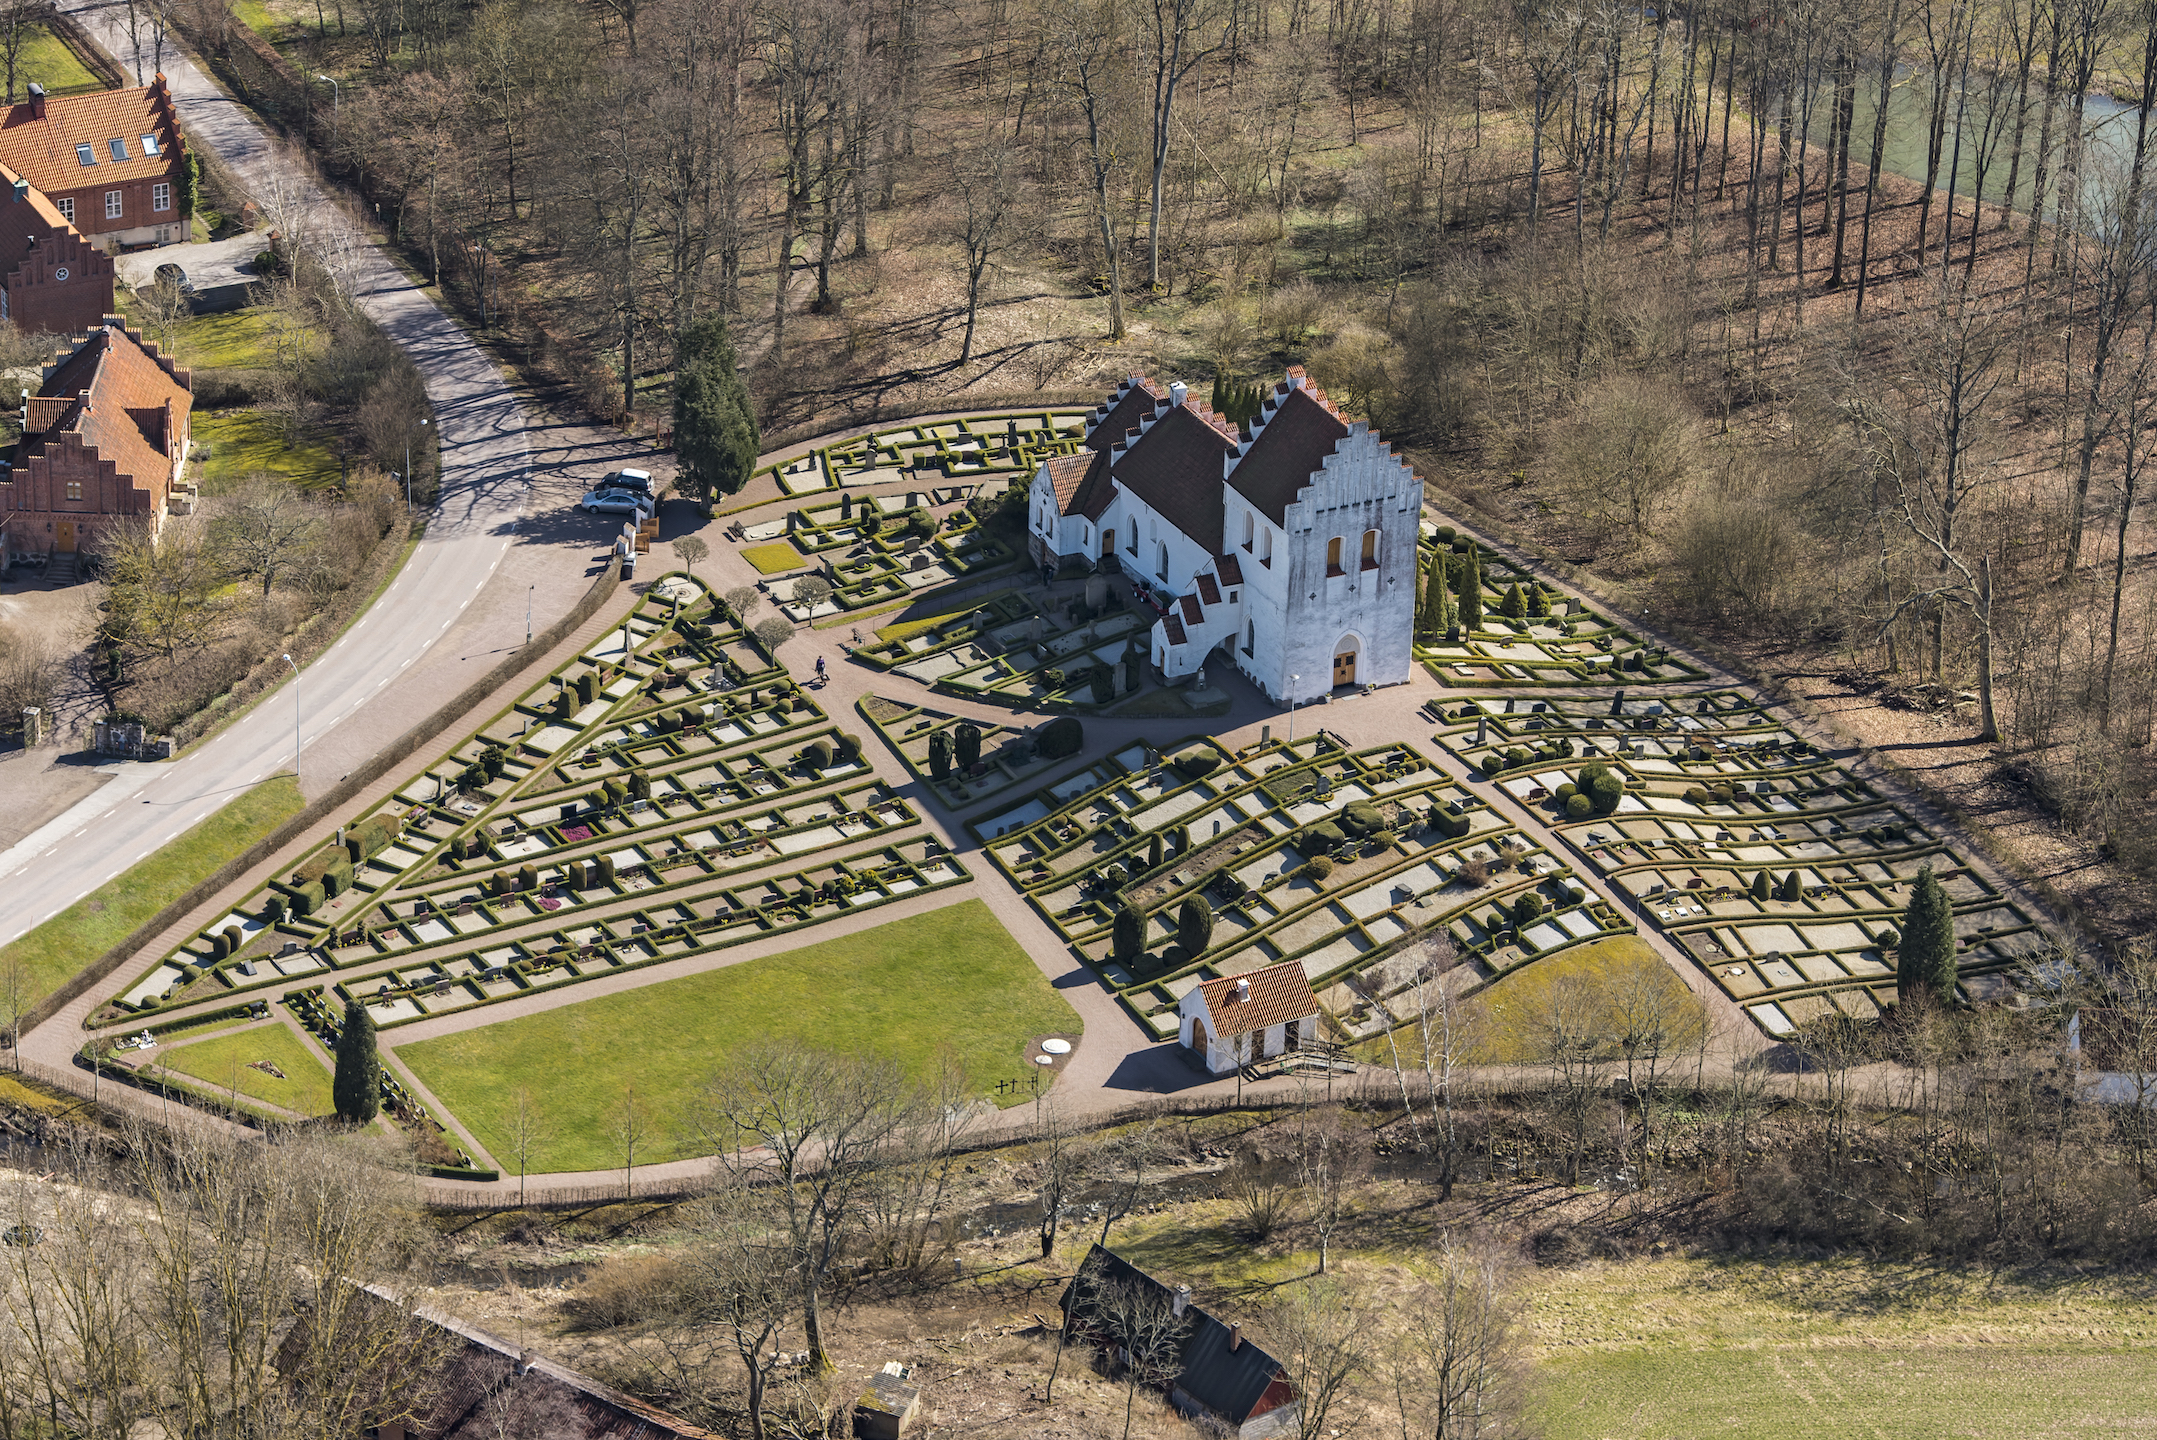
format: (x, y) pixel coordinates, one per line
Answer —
(55, 950)
(774, 558)
(242, 442)
(225, 1061)
(50, 63)
(951, 982)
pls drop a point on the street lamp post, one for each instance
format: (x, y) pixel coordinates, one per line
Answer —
(528, 612)
(337, 95)
(295, 719)
(408, 468)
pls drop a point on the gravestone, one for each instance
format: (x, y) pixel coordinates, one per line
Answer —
(1034, 628)
(1096, 591)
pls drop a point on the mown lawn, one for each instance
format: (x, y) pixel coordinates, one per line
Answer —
(774, 558)
(1677, 1349)
(952, 982)
(228, 1060)
(54, 66)
(55, 950)
(242, 443)
(234, 339)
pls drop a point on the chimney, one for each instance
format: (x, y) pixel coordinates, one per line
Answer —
(1182, 1302)
(1235, 1337)
(22, 189)
(1243, 987)
(37, 100)
(1177, 392)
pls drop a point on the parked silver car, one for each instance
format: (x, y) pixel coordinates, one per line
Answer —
(616, 502)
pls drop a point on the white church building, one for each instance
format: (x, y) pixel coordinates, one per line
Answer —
(1291, 555)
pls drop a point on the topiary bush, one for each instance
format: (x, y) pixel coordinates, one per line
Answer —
(966, 742)
(940, 755)
(1527, 907)
(528, 877)
(1578, 807)
(1128, 942)
(1064, 736)
(1361, 817)
(1194, 925)
(1325, 835)
(1318, 867)
(1197, 764)
(817, 755)
(605, 864)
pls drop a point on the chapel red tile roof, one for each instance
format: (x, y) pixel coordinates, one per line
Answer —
(1173, 628)
(1279, 993)
(1207, 590)
(1175, 467)
(1193, 612)
(1229, 568)
(43, 150)
(1293, 445)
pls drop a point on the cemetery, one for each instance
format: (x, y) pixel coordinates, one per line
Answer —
(874, 550)
(667, 793)
(1165, 869)
(1781, 873)
(1090, 659)
(1519, 633)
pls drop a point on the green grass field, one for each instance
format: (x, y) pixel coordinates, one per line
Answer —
(54, 66)
(247, 442)
(1677, 1349)
(235, 339)
(775, 558)
(55, 950)
(227, 1060)
(949, 982)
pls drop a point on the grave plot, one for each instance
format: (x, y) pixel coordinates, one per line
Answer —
(1782, 874)
(1162, 873)
(1525, 635)
(956, 449)
(1093, 660)
(669, 762)
(968, 761)
(884, 546)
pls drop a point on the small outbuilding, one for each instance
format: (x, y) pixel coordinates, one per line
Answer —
(1209, 1371)
(1230, 1022)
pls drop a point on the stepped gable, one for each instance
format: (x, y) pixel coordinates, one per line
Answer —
(1081, 483)
(1175, 467)
(1134, 401)
(115, 393)
(1299, 430)
(1229, 568)
(1208, 591)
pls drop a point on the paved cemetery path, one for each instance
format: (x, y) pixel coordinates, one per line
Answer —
(485, 478)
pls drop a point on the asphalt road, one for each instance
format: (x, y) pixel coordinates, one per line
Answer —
(485, 484)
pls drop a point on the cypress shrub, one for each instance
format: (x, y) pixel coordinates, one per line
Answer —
(966, 744)
(1153, 851)
(606, 869)
(940, 754)
(1061, 737)
(817, 755)
(1527, 907)
(527, 877)
(1578, 807)
(357, 1087)
(1194, 925)
(1760, 885)
(1130, 935)
(1925, 963)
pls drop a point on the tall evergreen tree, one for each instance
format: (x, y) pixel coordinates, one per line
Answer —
(1431, 611)
(1926, 960)
(357, 1088)
(1194, 925)
(715, 433)
(1130, 934)
(1471, 592)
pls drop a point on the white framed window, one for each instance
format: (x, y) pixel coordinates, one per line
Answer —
(118, 146)
(112, 204)
(149, 146)
(74, 489)
(161, 197)
(67, 211)
(85, 154)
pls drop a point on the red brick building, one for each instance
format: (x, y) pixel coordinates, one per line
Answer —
(112, 162)
(51, 279)
(105, 437)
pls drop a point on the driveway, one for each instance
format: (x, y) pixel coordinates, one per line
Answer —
(485, 480)
(214, 267)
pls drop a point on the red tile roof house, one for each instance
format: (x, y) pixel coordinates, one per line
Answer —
(112, 162)
(1228, 1023)
(52, 281)
(105, 437)
(1291, 555)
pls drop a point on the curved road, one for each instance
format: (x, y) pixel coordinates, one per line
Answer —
(485, 483)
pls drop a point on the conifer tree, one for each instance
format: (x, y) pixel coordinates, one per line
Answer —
(1194, 925)
(357, 1087)
(715, 431)
(1926, 959)
(1471, 593)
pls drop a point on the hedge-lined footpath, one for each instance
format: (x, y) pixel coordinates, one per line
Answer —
(122, 906)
